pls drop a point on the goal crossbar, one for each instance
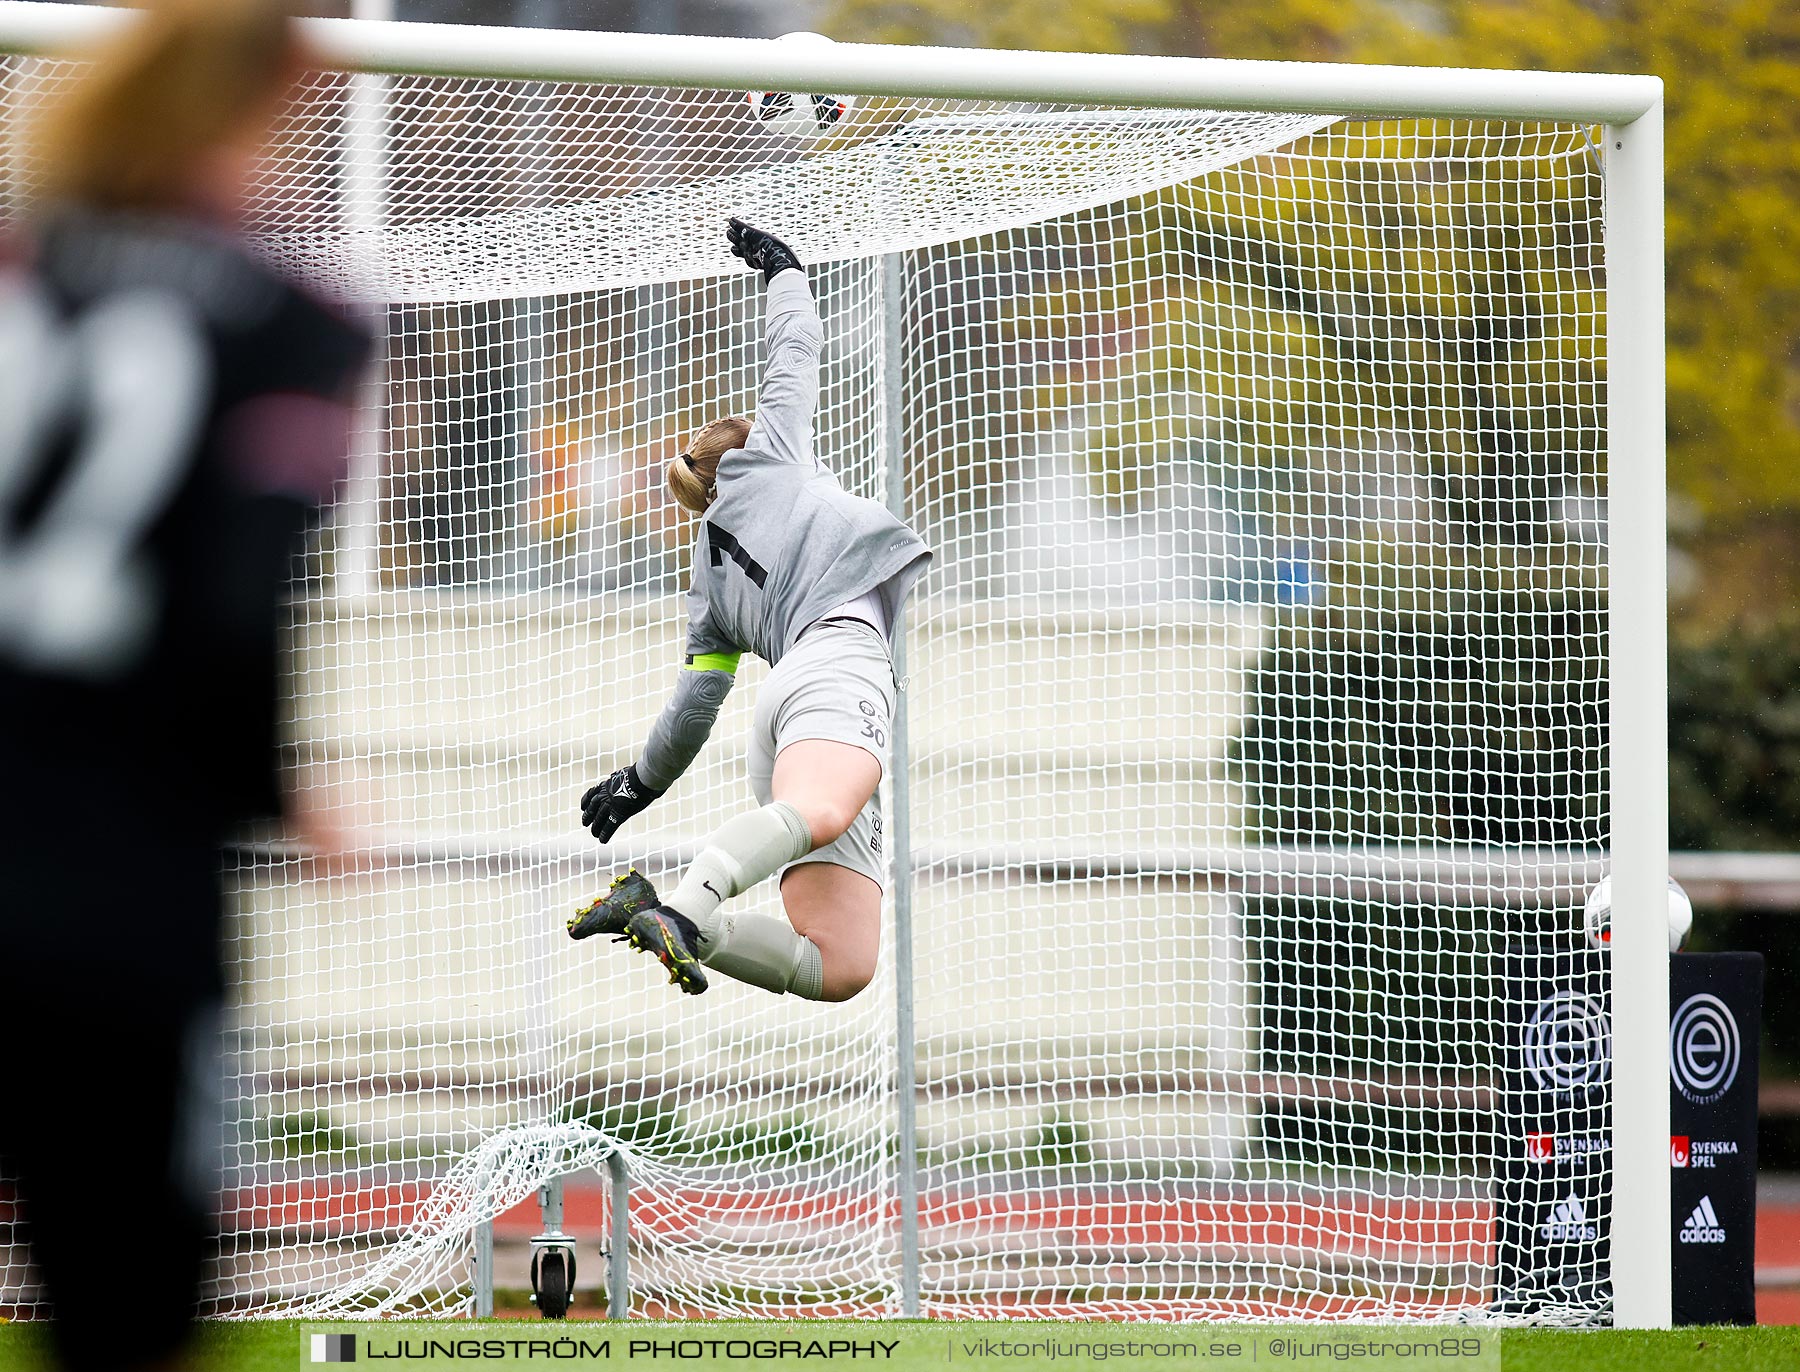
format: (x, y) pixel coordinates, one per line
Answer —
(958, 73)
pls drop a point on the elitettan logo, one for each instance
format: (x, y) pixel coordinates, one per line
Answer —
(1567, 1042)
(1704, 1048)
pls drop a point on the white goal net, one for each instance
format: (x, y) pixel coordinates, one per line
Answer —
(1257, 697)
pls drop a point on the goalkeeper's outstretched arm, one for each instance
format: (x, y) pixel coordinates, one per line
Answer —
(783, 428)
(789, 395)
(687, 720)
(677, 737)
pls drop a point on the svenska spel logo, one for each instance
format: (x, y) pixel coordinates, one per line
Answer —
(1679, 1150)
(1540, 1147)
(333, 1347)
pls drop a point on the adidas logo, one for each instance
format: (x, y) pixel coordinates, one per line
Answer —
(1568, 1223)
(1703, 1225)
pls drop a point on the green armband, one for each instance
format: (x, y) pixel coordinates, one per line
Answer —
(714, 662)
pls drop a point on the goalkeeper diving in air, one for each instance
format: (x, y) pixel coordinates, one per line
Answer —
(789, 566)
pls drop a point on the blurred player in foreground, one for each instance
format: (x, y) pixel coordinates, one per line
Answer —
(788, 566)
(171, 416)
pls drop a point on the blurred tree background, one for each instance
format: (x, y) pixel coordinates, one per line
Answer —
(1732, 74)
(1734, 785)
(1732, 69)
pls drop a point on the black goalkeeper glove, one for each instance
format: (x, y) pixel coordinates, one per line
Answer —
(606, 806)
(764, 251)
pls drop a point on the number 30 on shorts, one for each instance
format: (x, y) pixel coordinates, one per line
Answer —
(871, 729)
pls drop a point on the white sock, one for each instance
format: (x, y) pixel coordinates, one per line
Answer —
(765, 952)
(745, 849)
(755, 948)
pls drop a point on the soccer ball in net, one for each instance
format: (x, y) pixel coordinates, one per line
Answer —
(796, 114)
(1599, 915)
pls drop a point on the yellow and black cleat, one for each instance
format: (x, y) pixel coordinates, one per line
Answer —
(673, 941)
(613, 911)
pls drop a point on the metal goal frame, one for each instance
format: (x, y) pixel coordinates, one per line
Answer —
(1626, 109)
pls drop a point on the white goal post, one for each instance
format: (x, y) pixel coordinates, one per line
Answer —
(1624, 114)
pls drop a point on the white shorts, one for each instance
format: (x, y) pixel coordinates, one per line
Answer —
(837, 683)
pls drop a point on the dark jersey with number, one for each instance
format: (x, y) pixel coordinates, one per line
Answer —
(172, 414)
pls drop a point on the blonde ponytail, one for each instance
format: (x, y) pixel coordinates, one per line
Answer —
(693, 476)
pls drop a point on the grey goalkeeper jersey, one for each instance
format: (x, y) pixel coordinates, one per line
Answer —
(782, 543)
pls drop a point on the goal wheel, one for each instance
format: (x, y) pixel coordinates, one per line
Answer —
(552, 1281)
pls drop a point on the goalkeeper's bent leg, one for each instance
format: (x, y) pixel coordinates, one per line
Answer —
(765, 952)
(741, 853)
(825, 949)
(755, 948)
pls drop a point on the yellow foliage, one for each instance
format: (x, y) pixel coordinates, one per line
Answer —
(1077, 26)
(1732, 71)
